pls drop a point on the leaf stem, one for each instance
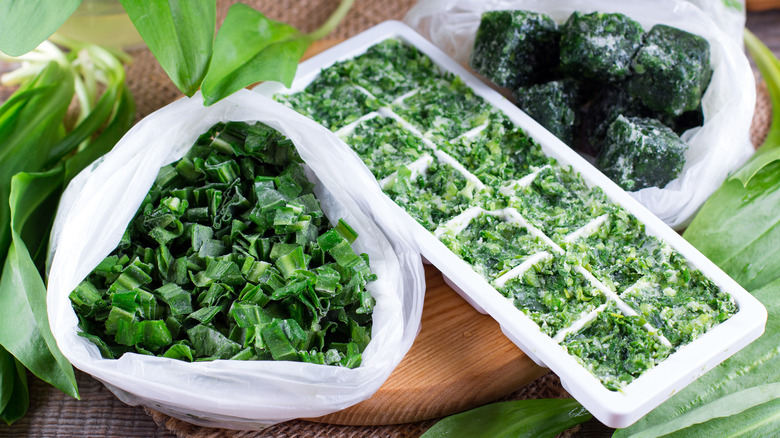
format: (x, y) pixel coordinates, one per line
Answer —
(332, 21)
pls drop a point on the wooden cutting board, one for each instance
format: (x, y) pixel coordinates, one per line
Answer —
(459, 360)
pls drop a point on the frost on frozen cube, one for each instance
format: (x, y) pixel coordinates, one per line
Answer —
(671, 70)
(641, 152)
(554, 105)
(515, 48)
(599, 46)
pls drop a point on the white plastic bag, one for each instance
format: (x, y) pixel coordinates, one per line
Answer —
(717, 148)
(100, 202)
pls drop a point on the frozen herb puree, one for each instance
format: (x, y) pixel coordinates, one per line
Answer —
(558, 202)
(500, 152)
(564, 254)
(553, 294)
(616, 348)
(384, 145)
(434, 196)
(493, 245)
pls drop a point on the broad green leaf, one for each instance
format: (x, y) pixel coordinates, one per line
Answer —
(25, 24)
(738, 228)
(20, 398)
(513, 419)
(251, 48)
(769, 66)
(752, 367)
(7, 371)
(760, 421)
(23, 293)
(180, 34)
(121, 121)
(729, 405)
(28, 128)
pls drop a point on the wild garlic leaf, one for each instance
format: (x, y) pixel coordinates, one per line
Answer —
(251, 48)
(769, 66)
(26, 24)
(518, 418)
(23, 292)
(180, 34)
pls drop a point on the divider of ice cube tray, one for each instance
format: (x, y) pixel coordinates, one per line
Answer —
(615, 409)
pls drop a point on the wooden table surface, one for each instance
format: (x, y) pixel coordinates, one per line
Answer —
(100, 414)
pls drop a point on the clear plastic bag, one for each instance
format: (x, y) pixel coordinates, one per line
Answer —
(717, 148)
(99, 203)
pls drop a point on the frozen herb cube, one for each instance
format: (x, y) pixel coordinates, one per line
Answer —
(611, 102)
(679, 301)
(384, 145)
(434, 195)
(619, 252)
(498, 153)
(553, 295)
(332, 106)
(616, 348)
(641, 152)
(671, 70)
(599, 46)
(492, 245)
(515, 48)
(554, 105)
(444, 108)
(558, 202)
(407, 60)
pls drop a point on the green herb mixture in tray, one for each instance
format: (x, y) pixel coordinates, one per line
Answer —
(578, 265)
(231, 257)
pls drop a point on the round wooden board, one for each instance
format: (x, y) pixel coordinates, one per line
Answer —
(459, 360)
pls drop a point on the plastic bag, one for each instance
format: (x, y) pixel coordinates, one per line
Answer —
(720, 146)
(99, 203)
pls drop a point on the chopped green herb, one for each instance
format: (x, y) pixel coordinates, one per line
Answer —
(231, 257)
(553, 295)
(616, 348)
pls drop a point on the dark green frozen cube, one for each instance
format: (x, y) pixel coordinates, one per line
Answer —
(599, 46)
(608, 104)
(515, 48)
(671, 70)
(554, 105)
(641, 152)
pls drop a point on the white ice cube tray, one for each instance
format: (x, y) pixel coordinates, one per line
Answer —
(614, 408)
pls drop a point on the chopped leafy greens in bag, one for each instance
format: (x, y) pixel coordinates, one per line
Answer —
(231, 257)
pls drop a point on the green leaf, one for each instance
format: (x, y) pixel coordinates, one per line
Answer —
(26, 24)
(180, 34)
(20, 398)
(737, 385)
(28, 128)
(251, 48)
(769, 66)
(7, 372)
(513, 419)
(737, 228)
(23, 293)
